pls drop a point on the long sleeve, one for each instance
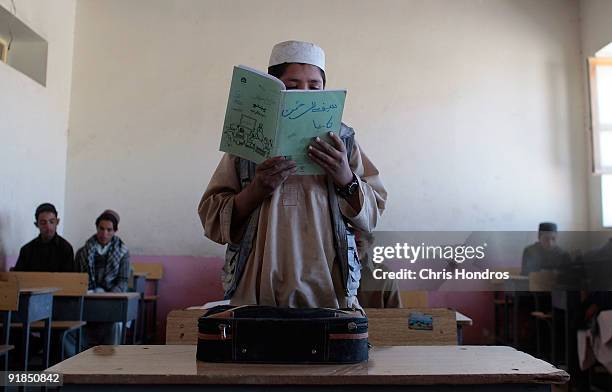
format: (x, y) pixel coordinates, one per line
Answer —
(216, 205)
(80, 260)
(68, 261)
(372, 193)
(82, 265)
(21, 264)
(527, 263)
(121, 281)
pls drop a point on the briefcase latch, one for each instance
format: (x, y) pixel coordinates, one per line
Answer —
(223, 329)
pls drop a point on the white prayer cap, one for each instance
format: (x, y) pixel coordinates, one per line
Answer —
(297, 52)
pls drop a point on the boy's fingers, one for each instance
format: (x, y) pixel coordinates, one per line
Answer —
(320, 155)
(337, 142)
(319, 161)
(326, 147)
(270, 162)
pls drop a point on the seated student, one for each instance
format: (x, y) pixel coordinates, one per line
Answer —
(289, 237)
(600, 262)
(106, 259)
(544, 254)
(48, 252)
(372, 292)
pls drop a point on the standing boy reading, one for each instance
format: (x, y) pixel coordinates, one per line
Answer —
(290, 241)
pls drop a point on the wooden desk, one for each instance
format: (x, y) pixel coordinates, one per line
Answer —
(112, 307)
(67, 302)
(182, 326)
(405, 368)
(9, 303)
(462, 320)
(35, 304)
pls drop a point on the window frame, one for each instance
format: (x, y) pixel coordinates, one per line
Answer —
(606, 208)
(595, 127)
(3, 51)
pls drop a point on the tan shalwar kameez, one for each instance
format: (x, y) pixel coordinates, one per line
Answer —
(292, 260)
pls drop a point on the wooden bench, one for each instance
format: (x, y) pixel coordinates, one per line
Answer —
(68, 302)
(155, 272)
(387, 327)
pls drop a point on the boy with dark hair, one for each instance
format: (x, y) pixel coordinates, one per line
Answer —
(48, 252)
(544, 254)
(105, 257)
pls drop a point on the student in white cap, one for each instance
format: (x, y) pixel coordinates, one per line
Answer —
(106, 259)
(290, 240)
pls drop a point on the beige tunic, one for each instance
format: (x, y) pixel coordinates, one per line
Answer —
(292, 261)
(374, 293)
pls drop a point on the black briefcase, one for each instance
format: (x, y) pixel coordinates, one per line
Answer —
(267, 334)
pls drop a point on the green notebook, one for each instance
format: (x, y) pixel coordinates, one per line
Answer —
(264, 120)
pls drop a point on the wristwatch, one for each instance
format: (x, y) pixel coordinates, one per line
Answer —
(350, 189)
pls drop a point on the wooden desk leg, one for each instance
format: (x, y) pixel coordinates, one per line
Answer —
(145, 322)
(553, 339)
(154, 320)
(142, 319)
(155, 310)
(46, 336)
(566, 336)
(26, 344)
(506, 319)
(79, 338)
(6, 322)
(62, 343)
(134, 330)
(515, 321)
(136, 326)
(123, 332)
(538, 337)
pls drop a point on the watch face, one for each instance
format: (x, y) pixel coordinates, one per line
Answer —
(353, 187)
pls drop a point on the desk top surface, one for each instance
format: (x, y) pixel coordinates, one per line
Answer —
(462, 319)
(38, 290)
(401, 365)
(126, 295)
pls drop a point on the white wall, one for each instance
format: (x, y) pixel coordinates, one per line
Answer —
(596, 33)
(471, 109)
(34, 125)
